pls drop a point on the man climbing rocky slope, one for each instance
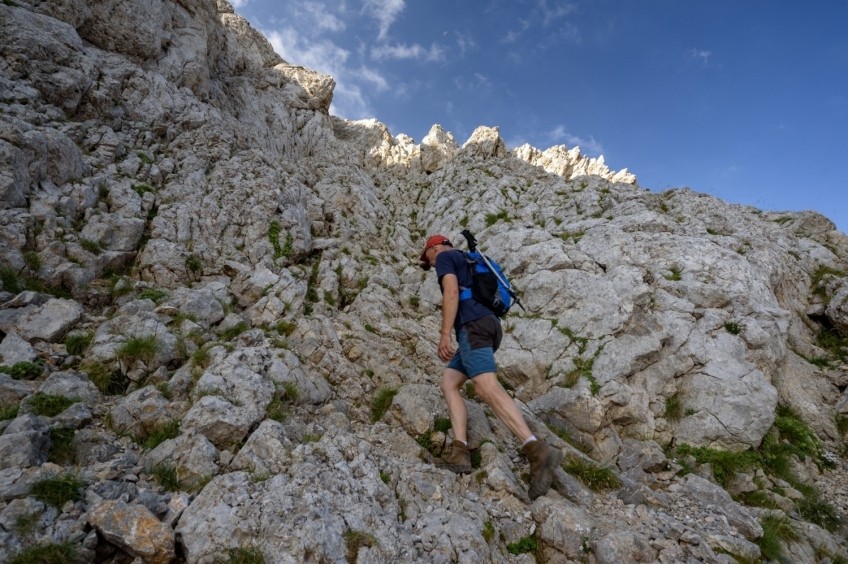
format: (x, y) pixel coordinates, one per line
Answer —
(216, 342)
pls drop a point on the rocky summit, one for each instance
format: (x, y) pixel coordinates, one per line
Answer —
(217, 345)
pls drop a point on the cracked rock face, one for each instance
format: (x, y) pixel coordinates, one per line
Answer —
(212, 316)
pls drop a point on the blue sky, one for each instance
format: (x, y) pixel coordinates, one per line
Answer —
(744, 100)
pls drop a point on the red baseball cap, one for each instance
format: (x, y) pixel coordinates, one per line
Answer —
(432, 242)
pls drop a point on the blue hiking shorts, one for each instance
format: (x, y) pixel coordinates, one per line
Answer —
(478, 340)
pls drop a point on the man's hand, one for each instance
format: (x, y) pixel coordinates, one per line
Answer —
(445, 348)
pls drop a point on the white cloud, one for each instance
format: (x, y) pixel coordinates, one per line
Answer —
(701, 55)
(385, 12)
(465, 42)
(323, 55)
(560, 134)
(514, 35)
(238, 3)
(552, 13)
(404, 51)
(373, 77)
(324, 20)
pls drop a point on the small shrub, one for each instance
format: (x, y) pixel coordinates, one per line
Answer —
(142, 348)
(58, 490)
(154, 437)
(51, 553)
(77, 343)
(732, 328)
(596, 478)
(674, 274)
(24, 370)
(842, 424)
(286, 328)
(49, 405)
(354, 540)
(61, 446)
(382, 403)
(166, 476)
(385, 477)
(776, 528)
(245, 555)
(523, 545)
(441, 424)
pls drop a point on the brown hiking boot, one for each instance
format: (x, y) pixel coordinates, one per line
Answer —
(457, 460)
(544, 461)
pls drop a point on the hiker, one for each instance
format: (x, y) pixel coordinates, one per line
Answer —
(478, 333)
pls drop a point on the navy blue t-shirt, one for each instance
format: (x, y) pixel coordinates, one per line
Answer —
(454, 262)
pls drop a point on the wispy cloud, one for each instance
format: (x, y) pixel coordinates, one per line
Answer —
(552, 13)
(238, 3)
(465, 42)
(514, 35)
(700, 55)
(385, 12)
(324, 19)
(404, 51)
(322, 55)
(476, 81)
(560, 134)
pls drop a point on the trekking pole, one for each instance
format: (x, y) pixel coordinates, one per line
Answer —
(472, 246)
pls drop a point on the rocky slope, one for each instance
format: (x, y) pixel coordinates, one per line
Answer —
(216, 342)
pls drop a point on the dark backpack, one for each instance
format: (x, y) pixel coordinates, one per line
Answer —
(489, 286)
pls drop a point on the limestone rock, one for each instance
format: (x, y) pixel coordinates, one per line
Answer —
(136, 530)
(14, 349)
(51, 321)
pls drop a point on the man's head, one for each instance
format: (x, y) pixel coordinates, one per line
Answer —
(431, 248)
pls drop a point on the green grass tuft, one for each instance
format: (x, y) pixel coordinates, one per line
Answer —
(58, 490)
(673, 408)
(52, 553)
(354, 540)
(49, 405)
(523, 546)
(61, 446)
(776, 529)
(77, 343)
(596, 478)
(154, 437)
(8, 412)
(166, 476)
(142, 348)
(245, 555)
(382, 403)
(441, 424)
(24, 370)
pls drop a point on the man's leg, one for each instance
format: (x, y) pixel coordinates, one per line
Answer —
(452, 381)
(543, 459)
(490, 391)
